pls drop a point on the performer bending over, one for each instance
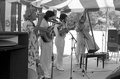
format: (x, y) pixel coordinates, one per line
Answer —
(46, 46)
(60, 42)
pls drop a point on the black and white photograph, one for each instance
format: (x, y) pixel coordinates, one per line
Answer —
(60, 39)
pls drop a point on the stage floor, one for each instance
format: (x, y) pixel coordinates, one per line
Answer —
(98, 72)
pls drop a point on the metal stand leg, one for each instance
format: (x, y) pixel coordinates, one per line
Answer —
(72, 41)
(52, 59)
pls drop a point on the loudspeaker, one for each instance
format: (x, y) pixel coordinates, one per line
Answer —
(113, 36)
(112, 40)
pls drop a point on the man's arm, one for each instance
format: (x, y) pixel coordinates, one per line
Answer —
(40, 17)
(43, 29)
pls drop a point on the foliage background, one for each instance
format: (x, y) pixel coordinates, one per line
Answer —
(100, 20)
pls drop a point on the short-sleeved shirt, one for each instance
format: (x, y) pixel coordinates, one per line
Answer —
(44, 23)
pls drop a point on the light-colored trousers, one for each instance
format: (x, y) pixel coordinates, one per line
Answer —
(60, 43)
(80, 46)
(45, 57)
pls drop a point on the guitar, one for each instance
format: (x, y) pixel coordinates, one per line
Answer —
(47, 36)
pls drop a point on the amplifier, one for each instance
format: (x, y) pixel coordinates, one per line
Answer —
(113, 36)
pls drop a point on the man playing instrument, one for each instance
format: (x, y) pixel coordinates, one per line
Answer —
(60, 41)
(46, 46)
(81, 29)
(84, 39)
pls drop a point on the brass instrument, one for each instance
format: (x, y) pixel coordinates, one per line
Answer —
(61, 29)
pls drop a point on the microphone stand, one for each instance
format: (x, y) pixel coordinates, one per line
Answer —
(72, 43)
(52, 57)
(73, 36)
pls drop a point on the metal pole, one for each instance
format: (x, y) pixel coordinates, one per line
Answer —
(107, 26)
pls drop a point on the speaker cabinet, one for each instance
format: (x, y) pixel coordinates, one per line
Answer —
(13, 55)
(113, 36)
(118, 37)
(112, 40)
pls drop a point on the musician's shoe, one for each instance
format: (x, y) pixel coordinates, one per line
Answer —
(60, 68)
(47, 76)
(77, 63)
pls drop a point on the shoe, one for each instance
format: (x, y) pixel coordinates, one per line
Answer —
(77, 63)
(47, 76)
(60, 68)
(54, 65)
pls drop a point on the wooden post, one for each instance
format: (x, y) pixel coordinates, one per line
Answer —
(19, 17)
(2, 15)
(13, 16)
